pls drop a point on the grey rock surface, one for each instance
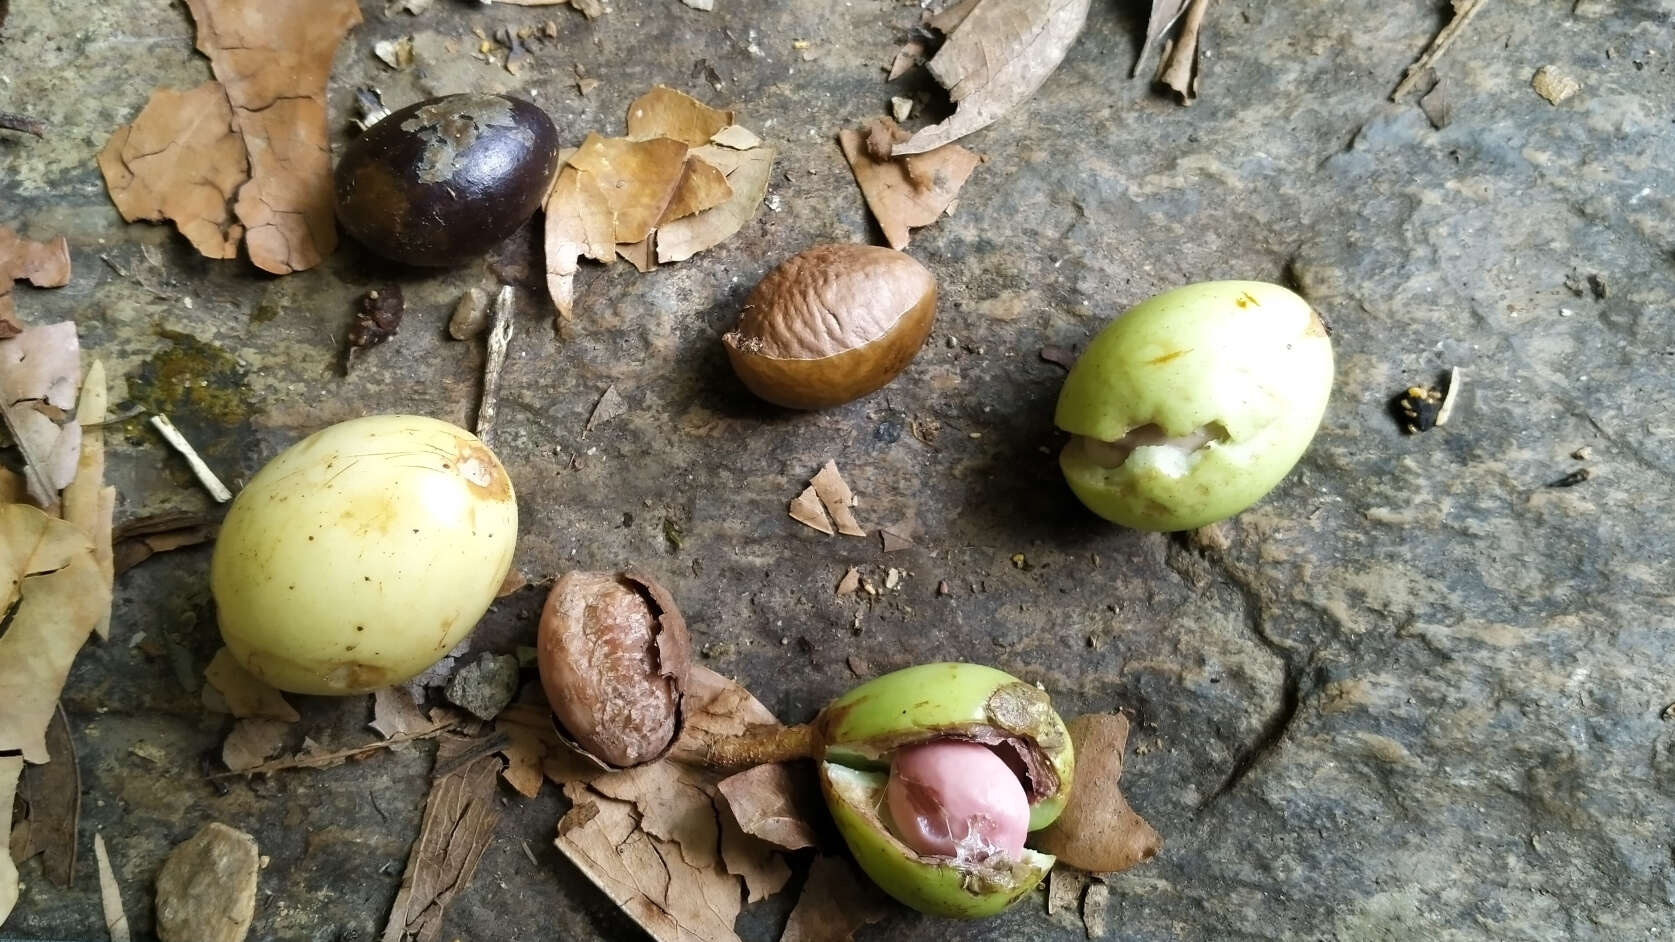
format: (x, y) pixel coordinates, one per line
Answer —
(485, 686)
(1413, 694)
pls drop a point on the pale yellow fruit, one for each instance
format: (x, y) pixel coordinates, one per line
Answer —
(362, 554)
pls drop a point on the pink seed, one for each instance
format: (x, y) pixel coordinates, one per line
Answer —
(957, 799)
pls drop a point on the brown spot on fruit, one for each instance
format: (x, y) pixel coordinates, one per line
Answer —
(1159, 361)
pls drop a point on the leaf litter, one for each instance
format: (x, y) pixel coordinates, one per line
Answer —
(1179, 68)
(904, 192)
(40, 376)
(51, 795)
(997, 54)
(659, 194)
(42, 264)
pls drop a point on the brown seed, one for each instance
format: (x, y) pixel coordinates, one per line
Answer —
(831, 324)
(614, 655)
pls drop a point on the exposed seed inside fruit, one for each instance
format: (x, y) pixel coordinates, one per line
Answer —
(957, 799)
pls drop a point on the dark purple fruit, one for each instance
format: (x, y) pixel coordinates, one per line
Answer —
(447, 179)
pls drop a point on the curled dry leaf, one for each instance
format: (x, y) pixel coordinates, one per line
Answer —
(244, 695)
(998, 55)
(274, 71)
(806, 510)
(1098, 831)
(139, 539)
(904, 192)
(736, 137)
(1179, 69)
(747, 175)
(88, 503)
(50, 582)
(181, 160)
(251, 742)
(42, 264)
(1164, 14)
(638, 177)
(530, 739)
(835, 904)
(460, 815)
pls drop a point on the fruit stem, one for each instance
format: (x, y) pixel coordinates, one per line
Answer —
(763, 746)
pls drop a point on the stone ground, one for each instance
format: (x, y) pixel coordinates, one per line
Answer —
(1414, 694)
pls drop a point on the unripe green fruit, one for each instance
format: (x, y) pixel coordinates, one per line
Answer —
(1194, 404)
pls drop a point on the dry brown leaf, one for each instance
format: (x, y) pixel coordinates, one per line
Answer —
(206, 890)
(88, 503)
(836, 903)
(40, 374)
(747, 175)
(459, 819)
(894, 540)
(245, 695)
(1095, 909)
(529, 728)
(736, 137)
(395, 714)
(110, 894)
(11, 487)
(1164, 14)
(949, 18)
(609, 406)
(42, 264)
(835, 495)
(52, 794)
(806, 510)
(765, 803)
(701, 187)
(1179, 69)
(638, 178)
(1464, 10)
(998, 56)
(47, 571)
(1098, 831)
(578, 224)
(849, 583)
(10, 768)
(655, 839)
(139, 539)
(909, 55)
(904, 193)
(313, 756)
(274, 70)
(251, 742)
(664, 112)
(181, 160)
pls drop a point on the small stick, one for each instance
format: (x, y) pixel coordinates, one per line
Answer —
(110, 895)
(500, 336)
(321, 759)
(24, 123)
(1463, 12)
(752, 749)
(1446, 411)
(206, 477)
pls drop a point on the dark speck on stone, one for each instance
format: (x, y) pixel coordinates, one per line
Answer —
(889, 430)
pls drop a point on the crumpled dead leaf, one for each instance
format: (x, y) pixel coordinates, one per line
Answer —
(1164, 14)
(662, 193)
(229, 688)
(806, 510)
(51, 793)
(835, 904)
(137, 540)
(654, 837)
(181, 160)
(251, 742)
(1179, 68)
(42, 264)
(395, 714)
(531, 738)
(1098, 831)
(838, 499)
(40, 375)
(998, 55)
(904, 192)
(461, 812)
(10, 768)
(747, 173)
(47, 571)
(764, 802)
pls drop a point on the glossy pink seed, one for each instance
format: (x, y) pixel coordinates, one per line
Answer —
(956, 799)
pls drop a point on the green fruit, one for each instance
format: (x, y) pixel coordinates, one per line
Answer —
(1194, 404)
(861, 729)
